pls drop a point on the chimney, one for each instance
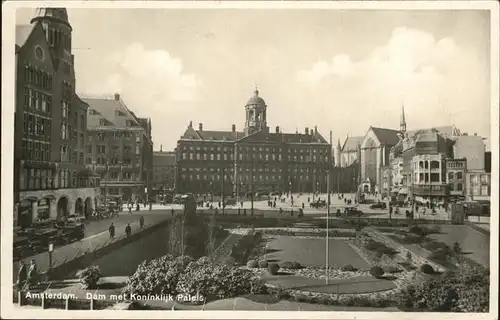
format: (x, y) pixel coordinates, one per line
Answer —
(190, 124)
(161, 148)
(307, 131)
(277, 129)
(315, 130)
(117, 96)
(234, 128)
(200, 126)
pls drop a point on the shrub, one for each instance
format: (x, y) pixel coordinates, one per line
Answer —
(296, 265)
(252, 264)
(376, 271)
(286, 265)
(427, 268)
(89, 276)
(278, 293)
(263, 264)
(273, 268)
(392, 269)
(215, 281)
(418, 231)
(348, 267)
(456, 292)
(158, 276)
(258, 286)
(441, 256)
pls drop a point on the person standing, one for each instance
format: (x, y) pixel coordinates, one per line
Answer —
(22, 275)
(128, 230)
(141, 222)
(150, 206)
(32, 275)
(112, 231)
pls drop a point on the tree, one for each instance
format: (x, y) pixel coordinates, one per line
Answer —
(177, 235)
(457, 249)
(211, 236)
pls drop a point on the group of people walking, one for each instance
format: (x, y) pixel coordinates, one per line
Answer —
(128, 228)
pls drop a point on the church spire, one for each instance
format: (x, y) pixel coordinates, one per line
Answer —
(402, 123)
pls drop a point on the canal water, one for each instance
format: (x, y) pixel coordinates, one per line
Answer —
(124, 261)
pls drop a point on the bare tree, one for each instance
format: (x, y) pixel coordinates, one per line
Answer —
(211, 236)
(177, 236)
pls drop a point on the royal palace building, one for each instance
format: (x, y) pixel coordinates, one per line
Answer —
(51, 180)
(253, 160)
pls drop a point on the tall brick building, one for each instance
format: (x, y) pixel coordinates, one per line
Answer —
(51, 180)
(255, 159)
(163, 170)
(119, 148)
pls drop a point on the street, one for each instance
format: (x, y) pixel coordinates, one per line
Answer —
(96, 235)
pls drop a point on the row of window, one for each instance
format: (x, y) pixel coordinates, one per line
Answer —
(455, 164)
(483, 178)
(426, 164)
(38, 77)
(67, 91)
(251, 149)
(455, 175)
(116, 175)
(56, 38)
(37, 100)
(244, 178)
(65, 153)
(65, 109)
(35, 179)
(35, 125)
(35, 150)
(248, 157)
(116, 135)
(113, 161)
(102, 149)
(427, 178)
(65, 130)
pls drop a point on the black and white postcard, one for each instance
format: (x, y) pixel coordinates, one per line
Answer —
(235, 159)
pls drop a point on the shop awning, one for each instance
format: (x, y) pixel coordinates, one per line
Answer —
(29, 199)
(403, 191)
(49, 196)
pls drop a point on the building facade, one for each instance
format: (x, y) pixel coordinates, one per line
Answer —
(429, 178)
(478, 185)
(119, 148)
(456, 170)
(50, 124)
(253, 160)
(163, 170)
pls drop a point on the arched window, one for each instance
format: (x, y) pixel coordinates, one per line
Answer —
(459, 175)
(450, 175)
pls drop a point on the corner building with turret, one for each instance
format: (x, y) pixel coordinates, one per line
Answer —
(256, 159)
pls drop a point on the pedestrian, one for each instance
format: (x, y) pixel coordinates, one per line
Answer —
(302, 205)
(128, 230)
(281, 212)
(137, 207)
(141, 222)
(241, 203)
(112, 231)
(172, 212)
(32, 278)
(22, 275)
(150, 206)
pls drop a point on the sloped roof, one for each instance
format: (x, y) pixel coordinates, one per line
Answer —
(351, 143)
(22, 34)
(386, 136)
(445, 131)
(192, 134)
(105, 109)
(427, 137)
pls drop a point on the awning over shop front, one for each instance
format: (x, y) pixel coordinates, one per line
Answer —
(49, 197)
(28, 199)
(403, 191)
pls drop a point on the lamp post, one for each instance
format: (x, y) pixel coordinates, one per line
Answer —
(51, 249)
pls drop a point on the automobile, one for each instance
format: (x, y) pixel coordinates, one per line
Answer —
(75, 218)
(351, 211)
(177, 199)
(379, 205)
(230, 202)
(318, 204)
(274, 194)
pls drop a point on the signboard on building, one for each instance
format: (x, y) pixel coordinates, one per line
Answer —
(431, 190)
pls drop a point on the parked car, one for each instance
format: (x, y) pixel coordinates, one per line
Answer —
(379, 205)
(75, 218)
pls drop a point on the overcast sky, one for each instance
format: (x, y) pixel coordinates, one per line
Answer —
(340, 70)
